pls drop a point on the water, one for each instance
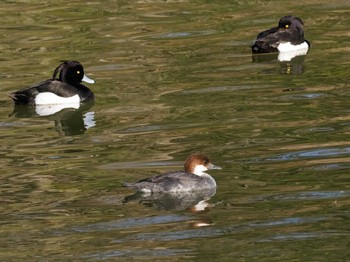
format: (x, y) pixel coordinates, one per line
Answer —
(175, 77)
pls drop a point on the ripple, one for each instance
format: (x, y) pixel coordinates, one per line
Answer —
(184, 34)
(153, 128)
(130, 223)
(314, 153)
(167, 252)
(328, 167)
(286, 221)
(296, 236)
(215, 232)
(179, 235)
(315, 130)
(12, 124)
(315, 195)
(303, 96)
(112, 67)
(221, 89)
(124, 165)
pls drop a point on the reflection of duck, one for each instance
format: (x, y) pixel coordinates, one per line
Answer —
(195, 201)
(191, 179)
(294, 66)
(287, 39)
(67, 89)
(68, 121)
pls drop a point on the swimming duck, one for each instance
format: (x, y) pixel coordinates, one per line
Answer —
(192, 178)
(287, 36)
(65, 89)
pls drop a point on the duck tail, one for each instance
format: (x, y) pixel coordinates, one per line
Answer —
(19, 99)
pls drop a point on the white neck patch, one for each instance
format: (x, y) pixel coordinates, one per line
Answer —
(199, 170)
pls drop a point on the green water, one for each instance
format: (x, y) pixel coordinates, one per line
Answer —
(172, 78)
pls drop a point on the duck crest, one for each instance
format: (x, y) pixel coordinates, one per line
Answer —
(58, 69)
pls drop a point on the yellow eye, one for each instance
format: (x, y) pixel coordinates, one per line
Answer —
(78, 72)
(286, 26)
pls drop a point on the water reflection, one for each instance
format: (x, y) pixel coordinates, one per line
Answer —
(289, 63)
(69, 120)
(265, 57)
(168, 235)
(195, 201)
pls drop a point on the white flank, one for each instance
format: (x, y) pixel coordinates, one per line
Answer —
(48, 98)
(287, 47)
(288, 51)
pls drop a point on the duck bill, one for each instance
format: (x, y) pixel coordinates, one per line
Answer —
(88, 80)
(211, 166)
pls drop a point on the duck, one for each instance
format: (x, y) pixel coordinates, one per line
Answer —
(192, 178)
(66, 89)
(288, 36)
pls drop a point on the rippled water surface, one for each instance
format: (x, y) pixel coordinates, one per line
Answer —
(172, 78)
